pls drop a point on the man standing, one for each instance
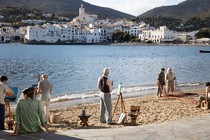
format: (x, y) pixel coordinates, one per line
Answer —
(45, 88)
(160, 82)
(106, 86)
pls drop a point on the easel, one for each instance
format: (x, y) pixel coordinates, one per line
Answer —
(10, 119)
(120, 97)
(205, 104)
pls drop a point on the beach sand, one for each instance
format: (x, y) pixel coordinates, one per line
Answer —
(152, 110)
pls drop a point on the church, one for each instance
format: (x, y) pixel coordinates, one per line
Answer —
(84, 17)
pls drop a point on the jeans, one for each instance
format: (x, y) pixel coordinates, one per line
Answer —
(2, 116)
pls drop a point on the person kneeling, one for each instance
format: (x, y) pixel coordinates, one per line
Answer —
(207, 95)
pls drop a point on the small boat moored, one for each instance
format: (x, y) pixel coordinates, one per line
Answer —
(204, 51)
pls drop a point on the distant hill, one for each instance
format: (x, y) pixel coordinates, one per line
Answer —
(187, 8)
(64, 7)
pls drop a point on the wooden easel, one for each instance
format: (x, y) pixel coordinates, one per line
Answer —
(10, 119)
(38, 77)
(205, 104)
(120, 97)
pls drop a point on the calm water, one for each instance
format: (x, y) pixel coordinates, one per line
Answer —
(74, 70)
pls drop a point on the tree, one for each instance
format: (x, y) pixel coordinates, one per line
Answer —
(126, 37)
(117, 35)
(203, 33)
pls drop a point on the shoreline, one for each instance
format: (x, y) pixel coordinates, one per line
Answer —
(95, 99)
(114, 44)
(157, 44)
(152, 110)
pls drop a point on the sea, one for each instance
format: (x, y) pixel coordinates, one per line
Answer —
(74, 70)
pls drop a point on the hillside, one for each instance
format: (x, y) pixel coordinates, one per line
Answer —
(67, 8)
(187, 8)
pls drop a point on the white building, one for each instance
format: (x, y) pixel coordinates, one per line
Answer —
(129, 27)
(159, 35)
(5, 24)
(132, 30)
(35, 22)
(62, 33)
(7, 34)
(6, 37)
(104, 29)
(45, 33)
(47, 15)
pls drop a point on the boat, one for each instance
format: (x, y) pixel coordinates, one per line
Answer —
(204, 51)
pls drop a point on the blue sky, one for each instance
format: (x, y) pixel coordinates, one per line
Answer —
(133, 7)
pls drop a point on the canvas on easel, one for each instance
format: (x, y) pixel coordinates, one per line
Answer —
(121, 118)
(120, 98)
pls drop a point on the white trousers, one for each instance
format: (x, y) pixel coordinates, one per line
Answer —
(105, 105)
(46, 109)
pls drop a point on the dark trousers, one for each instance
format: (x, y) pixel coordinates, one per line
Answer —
(2, 116)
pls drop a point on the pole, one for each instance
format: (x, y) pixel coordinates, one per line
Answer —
(38, 77)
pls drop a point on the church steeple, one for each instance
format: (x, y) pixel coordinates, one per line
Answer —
(81, 10)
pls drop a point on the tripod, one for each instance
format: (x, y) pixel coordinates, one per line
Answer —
(120, 97)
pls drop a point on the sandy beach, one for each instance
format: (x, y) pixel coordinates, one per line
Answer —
(152, 110)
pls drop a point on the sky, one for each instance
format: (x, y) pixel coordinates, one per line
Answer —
(133, 7)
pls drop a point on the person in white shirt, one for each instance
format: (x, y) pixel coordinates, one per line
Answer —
(170, 77)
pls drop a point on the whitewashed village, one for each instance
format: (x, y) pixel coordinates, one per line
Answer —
(88, 29)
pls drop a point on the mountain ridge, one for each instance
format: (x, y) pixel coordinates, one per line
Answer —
(65, 7)
(187, 8)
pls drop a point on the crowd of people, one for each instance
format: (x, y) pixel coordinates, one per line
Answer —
(32, 113)
(105, 85)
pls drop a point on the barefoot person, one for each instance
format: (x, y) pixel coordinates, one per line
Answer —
(106, 86)
(160, 82)
(45, 88)
(206, 96)
(170, 77)
(29, 116)
(4, 90)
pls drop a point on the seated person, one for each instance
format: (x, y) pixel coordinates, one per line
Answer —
(29, 116)
(207, 95)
